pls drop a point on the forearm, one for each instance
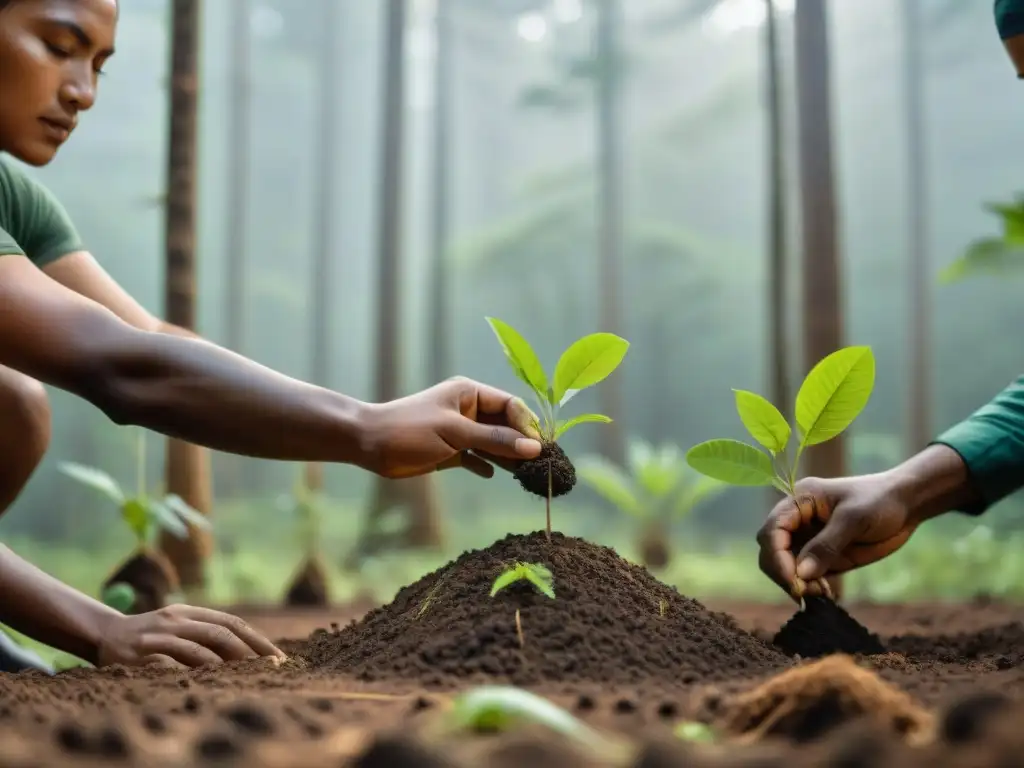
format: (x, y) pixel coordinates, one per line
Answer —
(50, 611)
(934, 482)
(190, 389)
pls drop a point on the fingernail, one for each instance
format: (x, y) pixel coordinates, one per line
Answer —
(807, 567)
(527, 447)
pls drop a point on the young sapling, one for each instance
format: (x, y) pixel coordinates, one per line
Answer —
(830, 398)
(536, 574)
(309, 585)
(586, 362)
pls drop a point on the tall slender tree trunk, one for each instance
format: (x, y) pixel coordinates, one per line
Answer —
(229, 468)
(188, 466)
(417, 496)
(822, 294)
(778, 355)
(610, 214)
(322, 272)
(439, 366)
(919, 396)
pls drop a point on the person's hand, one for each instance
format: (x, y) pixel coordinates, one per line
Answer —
(832, 526)
(458, 422)
(181, 636)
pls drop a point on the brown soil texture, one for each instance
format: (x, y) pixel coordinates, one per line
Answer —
(309, 587)
(822, 628)
(152, 577)
(611, 622)
(533, 474)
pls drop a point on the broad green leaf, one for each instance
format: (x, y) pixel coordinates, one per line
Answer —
(988, 256)
(194, 517)
(588, 361)
(610, 482)
(521, 355)
(586, 418)
(733, 462)
(763, 420)
(167, 520)
(94, 478)
(834, 393)
(511, 576)
(541, 578)
(660, 471)
(137, 516)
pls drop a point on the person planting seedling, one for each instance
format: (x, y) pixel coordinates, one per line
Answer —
(831, 396)
(147, 572)
(586, 362)
(658, 488)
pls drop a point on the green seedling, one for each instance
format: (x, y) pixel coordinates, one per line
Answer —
(535, 573)
(586, 362)
(143, 514)
(993, 255)
(830, 398)
(309, 584)
(119, 596)
(656, 487)
(692, 731)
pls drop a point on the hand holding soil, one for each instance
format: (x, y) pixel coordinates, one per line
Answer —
(437, 429)
(831, 526)
(181, 636)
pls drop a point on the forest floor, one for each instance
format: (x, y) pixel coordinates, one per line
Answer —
(627, 657)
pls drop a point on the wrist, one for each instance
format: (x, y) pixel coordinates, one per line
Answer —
(357, 434)
(931, 483)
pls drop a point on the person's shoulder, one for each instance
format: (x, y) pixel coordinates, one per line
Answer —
(16, 179)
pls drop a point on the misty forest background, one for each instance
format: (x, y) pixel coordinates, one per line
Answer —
(514, 226)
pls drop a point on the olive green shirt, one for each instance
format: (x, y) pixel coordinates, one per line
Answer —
(991, 443)
(33, 223)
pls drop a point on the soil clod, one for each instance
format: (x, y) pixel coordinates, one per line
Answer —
(533, 474)
(823, 628)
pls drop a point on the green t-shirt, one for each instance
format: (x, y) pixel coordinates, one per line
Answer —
(33, 223)
(991, 443)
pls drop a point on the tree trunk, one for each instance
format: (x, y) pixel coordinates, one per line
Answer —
(610, 215)
(439, 366)
(919, 396)
(415, 494)
(322, 272)
(822, 296)
(188, 466)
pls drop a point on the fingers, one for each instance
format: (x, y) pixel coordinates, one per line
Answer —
(159, 660)
(776, 559)
(479, 400)
(469, 461)
(186, 652)
(505, 442)
(509, 465)
(824, 554)
(235, 627)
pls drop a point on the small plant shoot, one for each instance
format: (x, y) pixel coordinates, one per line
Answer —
(830, 398)
(536, 574)
(587, 361)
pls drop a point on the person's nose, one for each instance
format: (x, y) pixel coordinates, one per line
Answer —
(79, 89)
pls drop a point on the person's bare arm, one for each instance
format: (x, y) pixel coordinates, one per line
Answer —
(181, 387)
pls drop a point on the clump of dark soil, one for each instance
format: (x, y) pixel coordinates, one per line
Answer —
(824, 627)
(610, 622)
(533, 474)
(806, 703)
(151, 575)
(309, 587)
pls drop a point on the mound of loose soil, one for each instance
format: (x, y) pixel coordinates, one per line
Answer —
(988, 642)
(611, 622)
(805, 703)
(309, 587)
(151, 575)
(533, 474)
(823, 628)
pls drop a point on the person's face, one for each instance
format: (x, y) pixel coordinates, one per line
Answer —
(51, 55)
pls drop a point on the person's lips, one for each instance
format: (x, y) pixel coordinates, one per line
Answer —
(58, 128)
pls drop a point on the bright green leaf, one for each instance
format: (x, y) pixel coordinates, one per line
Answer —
(521, 356)
(763, 420)
(540, 576)
(94, 478)
(834, 393)
(610, 482)
(690, 730)
(119, 596)
(586, 418)
(137, 516)
(167, 520)
(588, 361)
(733, 462)
(507, 578)
(195, 518)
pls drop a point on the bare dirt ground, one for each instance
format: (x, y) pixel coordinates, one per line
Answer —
(622, 652)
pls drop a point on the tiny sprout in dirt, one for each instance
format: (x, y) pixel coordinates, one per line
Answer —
(656, 487)
(147, 572)
(535, 573)
(586, 362)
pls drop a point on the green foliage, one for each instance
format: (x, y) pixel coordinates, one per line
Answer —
(143, 514)
(830, 398)
(119, 596)
(690, 730)
(655, 484)
(588, 361)
(993, 255)
(535, 573)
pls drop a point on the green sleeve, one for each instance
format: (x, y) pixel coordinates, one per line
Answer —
(33, 223)
(991, 443)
